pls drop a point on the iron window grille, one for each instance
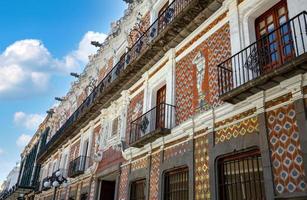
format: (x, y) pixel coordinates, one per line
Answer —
(176, 184)
(241, 177)
(137, 190)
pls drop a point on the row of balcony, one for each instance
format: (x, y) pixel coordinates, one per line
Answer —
(26, 183)
(181, 16)
(260, 66)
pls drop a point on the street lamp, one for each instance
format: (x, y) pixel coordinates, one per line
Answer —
(55, 181)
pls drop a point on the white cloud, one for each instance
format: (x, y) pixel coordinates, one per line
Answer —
(85, 48)
(79, 56)
(29, 121)
(26, 66)
(23, 140)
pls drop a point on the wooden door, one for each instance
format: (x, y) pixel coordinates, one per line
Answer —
(107, 190)
(275, 45)
(160, 113)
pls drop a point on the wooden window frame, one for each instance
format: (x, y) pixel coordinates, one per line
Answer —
(264, 46)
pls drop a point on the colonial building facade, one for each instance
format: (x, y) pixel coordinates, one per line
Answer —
(186, 99)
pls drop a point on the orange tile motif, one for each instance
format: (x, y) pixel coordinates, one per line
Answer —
(235, 118)
(154, 177)
(242, 128)
(123, 183)
(135, 110)
(286, 155)
(278, 100)
(176, 150)
(111, 157)
(203, 32)
(216, 49)
(202, 188)
(139, 164)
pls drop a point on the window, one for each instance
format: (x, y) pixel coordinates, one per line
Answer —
(64, 162)
(64, 165)
(85, 147)
(138, 190)
(275, 46)
(241, 176)
(84, 159)
(176, 184)
(114, 127)
(54, 167)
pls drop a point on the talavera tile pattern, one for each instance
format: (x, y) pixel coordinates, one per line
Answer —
(286, 152)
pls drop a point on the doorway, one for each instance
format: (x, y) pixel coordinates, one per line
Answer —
(160, 113)
(107, 190)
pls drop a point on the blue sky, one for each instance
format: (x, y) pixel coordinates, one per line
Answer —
(41, 42)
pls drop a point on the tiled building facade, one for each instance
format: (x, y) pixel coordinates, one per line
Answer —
(208, 102)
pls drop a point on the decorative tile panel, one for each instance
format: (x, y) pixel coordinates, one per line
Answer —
(278, 100)
(123, 183)
(193, 75)
(203, 32)
(139, 164)
(176, 150)
(242, 128)
(286, 154)
(154, 177)
(135, 110)
(202, 188)
(235, 118)
(136, 30)
(110, 157)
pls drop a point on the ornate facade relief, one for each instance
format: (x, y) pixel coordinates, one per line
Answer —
(201, 75)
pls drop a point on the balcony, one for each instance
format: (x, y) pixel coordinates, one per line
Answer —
(265, 63)
(78, 166)
(26, 184)
(153, 124)
(179, 19)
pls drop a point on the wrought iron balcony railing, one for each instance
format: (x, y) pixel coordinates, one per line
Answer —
(153, 124)
(78, 166)
(162, 35)
(265, 62)
(28, 181)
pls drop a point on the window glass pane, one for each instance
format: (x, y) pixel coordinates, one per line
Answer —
(281, 11)
(282, 20)
(270, 19)
(262, 24)
(271, 27)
